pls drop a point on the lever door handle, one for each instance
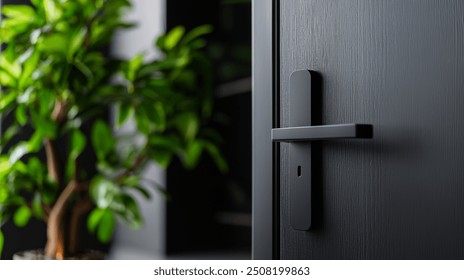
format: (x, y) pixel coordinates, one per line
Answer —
(321, 132)
(299, 159)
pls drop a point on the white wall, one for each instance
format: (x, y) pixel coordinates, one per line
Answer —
(149, 242)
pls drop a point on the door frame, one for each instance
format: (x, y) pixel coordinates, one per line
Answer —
(265, 116)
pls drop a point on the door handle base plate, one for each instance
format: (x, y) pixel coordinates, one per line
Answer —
(299, 150)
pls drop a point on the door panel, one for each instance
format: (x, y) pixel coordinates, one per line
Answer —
(399, 65)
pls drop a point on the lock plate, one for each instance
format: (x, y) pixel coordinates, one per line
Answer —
(300, 134)
(299, 155)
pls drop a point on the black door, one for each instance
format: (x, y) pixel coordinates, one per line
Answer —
(395, 64)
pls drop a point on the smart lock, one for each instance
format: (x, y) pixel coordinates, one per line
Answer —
(300, 132)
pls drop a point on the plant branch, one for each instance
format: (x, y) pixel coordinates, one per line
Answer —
(53, 164)
(138, 162)
(55, 221)
(60, 111)
(46, 211)
(79, 209)
(88, 25)
(58, 115)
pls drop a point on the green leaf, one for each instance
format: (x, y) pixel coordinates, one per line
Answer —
(6, 79)
(147, 70)
(83, 68)
(12, 27)
(37, 3)
(103, 191)
(49, 195)
(36, 170)
(19, 11)
(142, 121)
(197, 32)
(13, 68)
(165, 142)
(131, 216)
(21, 114)
(35, 35)
(22, 216)
(4, 194)
(5, 166)
(156, 114)
(47, 100)
(124, 112)
(19, 151)
(11, 132)
(197, 44)
(187, 79)
(36, 141)
(94, 219)
(160, 87)
(142, 191)
(78, 142)
(25, 56)
(2, 241)
(25, 96)
(5, 101)
(217, 157)
(44, 125)
(164, 193)
(173, 37)
(131, 181)
(133, 66)
(102, 139)
(192, 154)
(20, 167)
(52, 12)
(77, 39)
(37, 206)
(163, 158)
(106, 226)
(30, 65)
(160, 42)
(188, 125)
(55, 44)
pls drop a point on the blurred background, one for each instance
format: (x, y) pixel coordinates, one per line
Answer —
(209, 214)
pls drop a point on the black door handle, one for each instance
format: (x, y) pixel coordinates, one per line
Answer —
(299, 157)
(322, 132)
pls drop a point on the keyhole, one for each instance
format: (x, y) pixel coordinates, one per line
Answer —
(299, 171)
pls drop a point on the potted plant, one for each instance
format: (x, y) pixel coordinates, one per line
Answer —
(56, 80)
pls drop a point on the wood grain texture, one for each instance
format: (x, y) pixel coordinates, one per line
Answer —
(399, 65)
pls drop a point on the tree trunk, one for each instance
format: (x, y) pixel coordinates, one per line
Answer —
(61, 234)
(56, 240)
(78, 210)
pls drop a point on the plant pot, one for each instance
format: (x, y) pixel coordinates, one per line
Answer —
(39, 255)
